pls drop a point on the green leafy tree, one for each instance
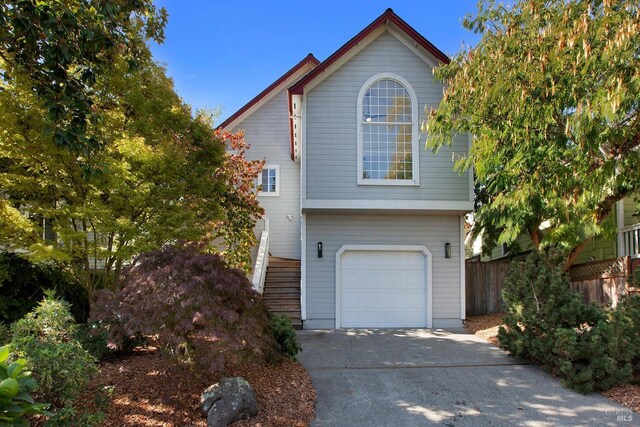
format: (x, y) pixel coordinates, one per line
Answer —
(551, 94)
(60, 49)
(154, 182)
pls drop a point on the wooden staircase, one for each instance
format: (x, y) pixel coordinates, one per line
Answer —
(281, 292)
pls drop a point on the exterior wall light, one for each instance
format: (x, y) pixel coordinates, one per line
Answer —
(447, 250)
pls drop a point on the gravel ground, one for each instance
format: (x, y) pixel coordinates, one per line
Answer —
(487, 327)
(151, 390)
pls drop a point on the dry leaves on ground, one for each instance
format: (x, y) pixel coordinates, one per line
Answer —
(151, 390)
(486, 326)
(627, 395)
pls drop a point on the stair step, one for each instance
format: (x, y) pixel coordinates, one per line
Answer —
(282, 284)
(281, 292)
(286, 293)
(280, 288)
(289, 309)
(272, 297)
(281, 301)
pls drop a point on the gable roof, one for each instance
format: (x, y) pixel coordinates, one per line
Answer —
(238, 115)
(387, 16)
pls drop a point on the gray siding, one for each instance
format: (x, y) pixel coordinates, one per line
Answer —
(331, 130)
(267, 130)
(334, 231)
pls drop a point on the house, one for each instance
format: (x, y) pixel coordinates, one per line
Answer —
(625, 242)
(375, 220)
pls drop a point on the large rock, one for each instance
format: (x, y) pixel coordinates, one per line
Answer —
(230, 400)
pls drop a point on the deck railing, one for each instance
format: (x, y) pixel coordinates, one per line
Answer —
(262, 261)
(631, 240)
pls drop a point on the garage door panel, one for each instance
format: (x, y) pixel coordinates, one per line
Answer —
(383, 289)
(384, 280)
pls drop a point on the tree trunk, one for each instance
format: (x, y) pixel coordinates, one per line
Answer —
(573, 255)
(536, 238)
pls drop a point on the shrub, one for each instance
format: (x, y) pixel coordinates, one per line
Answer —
(5, 334)
(70, 416)
(16, 385)
(46, 337)
(23, 285)
(285, 336)
(587, 347)
(191, 304)
(94, 338)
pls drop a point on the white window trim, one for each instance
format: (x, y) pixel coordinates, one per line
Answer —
(415, 153)
(277, 192)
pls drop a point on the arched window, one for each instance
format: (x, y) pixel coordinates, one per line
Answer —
(387, 132)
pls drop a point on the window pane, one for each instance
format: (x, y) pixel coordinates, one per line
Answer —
(387, 132)
(386, 101)
(268, 180)
(387, 152)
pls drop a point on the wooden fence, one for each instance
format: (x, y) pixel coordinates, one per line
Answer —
(601, 282)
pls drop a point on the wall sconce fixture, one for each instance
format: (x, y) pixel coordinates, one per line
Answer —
(319, 249)
(447, 250)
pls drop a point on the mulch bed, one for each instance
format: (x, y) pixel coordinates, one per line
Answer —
(487, 326)
(151, 390)
(627, 395)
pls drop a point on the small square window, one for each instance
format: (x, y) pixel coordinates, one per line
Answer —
(269, 181)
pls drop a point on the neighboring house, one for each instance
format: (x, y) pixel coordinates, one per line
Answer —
(626, 241)
(349, 189)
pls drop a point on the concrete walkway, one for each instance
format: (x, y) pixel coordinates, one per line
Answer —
(417, 377)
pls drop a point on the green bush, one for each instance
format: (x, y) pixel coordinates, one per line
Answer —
(70, 416)
(94, 338)
(46, 337)
(23, 285)
(586, 346)
(285, 336)
(5, 334)
(16, 385)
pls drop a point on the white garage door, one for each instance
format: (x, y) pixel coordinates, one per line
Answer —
(382, 289)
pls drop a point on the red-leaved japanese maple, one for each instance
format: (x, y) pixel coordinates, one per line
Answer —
(189, 303)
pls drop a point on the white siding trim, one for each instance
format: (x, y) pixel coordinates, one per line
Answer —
(303, 266)
(296, 118)
(463, 302)
(415, 154)
(620, 226)
(303, 148)
(303, 217)
(277, 192)
(404, 248)
(393, 205)
(471, 186)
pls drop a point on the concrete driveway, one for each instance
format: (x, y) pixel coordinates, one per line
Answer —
(418, 377)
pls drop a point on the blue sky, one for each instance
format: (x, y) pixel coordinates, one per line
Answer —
(223, 53)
